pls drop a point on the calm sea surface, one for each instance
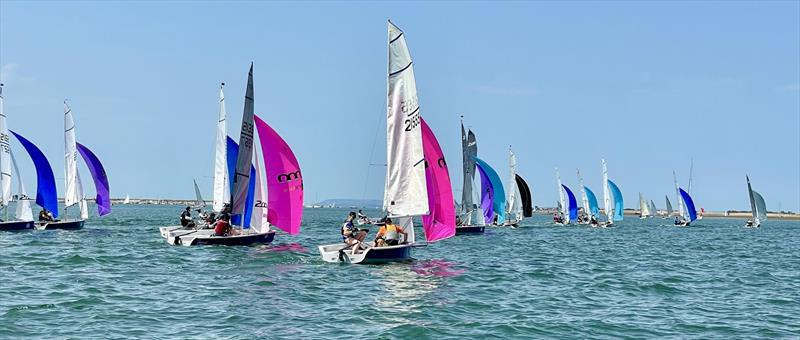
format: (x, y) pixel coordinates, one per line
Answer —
(117, 278)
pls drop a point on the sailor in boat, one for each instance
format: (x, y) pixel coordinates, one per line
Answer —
(593, 220)
(458, 221)
(186, 218)
(222, 227)
(46, 216)
(389, 234)
(557, 218)
(749, 223)
(351, 235)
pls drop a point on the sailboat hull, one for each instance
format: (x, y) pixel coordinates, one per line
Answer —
(16, 225)
(207, 237)
(66, 225)
(470, 229)
(371, 255)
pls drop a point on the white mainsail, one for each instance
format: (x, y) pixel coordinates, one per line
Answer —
(469, 149)
(70, 160)
(669, 206)
(127, 199)
(584, 199)
(199, 203)
(406, 192)
(757, 204)
(222, 193)
(23, 212)
(644, 208)
(561, 198)
(606, 194)
(5, 157)
(245, 158)
(653, 210)
(513, 196)
(678, 197)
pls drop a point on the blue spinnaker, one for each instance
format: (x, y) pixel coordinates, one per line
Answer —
(593, 209)
(487, 196)
(103, 197)
(618, 204)
(499, 199)
(233, 153)
(46, 195)
(573, 204)
(687, 200)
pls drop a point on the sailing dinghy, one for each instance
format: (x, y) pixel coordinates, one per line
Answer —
(267, 186)
(644, 207)
(493, 198)
(23, 220)
(411, 188)
(757, 206)
(465, 223)
(568, 205)
(669, 211)
(690, 214)
(610, 189)
(517, 199)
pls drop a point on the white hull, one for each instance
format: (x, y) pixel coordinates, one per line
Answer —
(334, 253)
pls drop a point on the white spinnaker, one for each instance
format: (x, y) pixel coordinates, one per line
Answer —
(23, 212)
(70, 160)
(259, 220)
(584, 199)
(405, 193)
(5, 157)
(222, 190)
(84, 206)
(561, 198)
(606, 194)
(244, 160)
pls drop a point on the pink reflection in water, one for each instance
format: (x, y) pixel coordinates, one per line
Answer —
(291, 247)
(440, 268)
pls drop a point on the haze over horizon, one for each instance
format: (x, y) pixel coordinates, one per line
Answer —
(647, 86)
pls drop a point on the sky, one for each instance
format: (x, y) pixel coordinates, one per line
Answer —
(648, 86)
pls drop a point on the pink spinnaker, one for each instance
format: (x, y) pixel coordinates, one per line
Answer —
(284, 180)
(441, 222)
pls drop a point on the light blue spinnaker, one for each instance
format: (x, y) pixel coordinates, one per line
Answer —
(687, 200)
(573, 204)
(618, 204)
(46, 195)
(499, 200)
(594, 210)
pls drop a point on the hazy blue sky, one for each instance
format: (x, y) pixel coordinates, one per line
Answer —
(647, 85)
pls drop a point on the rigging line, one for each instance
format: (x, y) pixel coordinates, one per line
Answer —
(369, 160)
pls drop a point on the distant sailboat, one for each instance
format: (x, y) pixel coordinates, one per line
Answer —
(653, 210)
(757, 206)
(407, 188)
(514, 196)
(610, 189)
(669, 211)
(644, 207)
(584, 218)
(127, 199)
(690, 212)
(563, 215)
(23, 220)
(46, 196)
(493, 198)
(467, 224)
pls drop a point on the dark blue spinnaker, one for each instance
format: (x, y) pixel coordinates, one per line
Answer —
(46, 195)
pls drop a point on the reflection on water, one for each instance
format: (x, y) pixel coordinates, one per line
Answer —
(436, 267)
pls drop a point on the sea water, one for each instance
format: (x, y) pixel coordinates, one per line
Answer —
(117, 278)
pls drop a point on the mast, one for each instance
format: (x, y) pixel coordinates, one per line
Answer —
(221, 187)
(691, 170)
(584, 199)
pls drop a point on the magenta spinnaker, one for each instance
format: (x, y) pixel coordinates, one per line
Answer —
(284, 180)
(103, 197)
(441, 222)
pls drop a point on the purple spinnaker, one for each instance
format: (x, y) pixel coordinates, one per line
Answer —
(283, 179)
(441, 222)
(103, 197)
(487, 196)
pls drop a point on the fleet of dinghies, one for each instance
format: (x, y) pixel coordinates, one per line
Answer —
(258, 184)
(46, 194)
